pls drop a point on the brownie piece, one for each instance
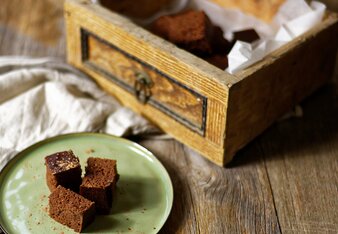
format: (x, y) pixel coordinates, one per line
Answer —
(63, 168)
(219, 43)
(71, 209)
(249, 35)
(219, 60)
(191, 30)
(99, 183)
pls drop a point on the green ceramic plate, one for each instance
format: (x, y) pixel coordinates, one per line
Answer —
(143, 199)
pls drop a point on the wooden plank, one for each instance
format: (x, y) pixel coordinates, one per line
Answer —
(292, 74)
(212, 199)
(302, 162)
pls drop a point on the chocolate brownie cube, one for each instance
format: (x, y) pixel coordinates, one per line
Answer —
(248, 35)
(219, 43)
(190, 30)
(71, 209)
(218, 60)
(193, 31)
(63, 168)
(99, 183)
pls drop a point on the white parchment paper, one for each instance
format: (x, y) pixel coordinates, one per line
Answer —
(243, 55)
(294, 18)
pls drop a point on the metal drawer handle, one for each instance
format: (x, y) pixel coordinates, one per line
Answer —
(142, 86)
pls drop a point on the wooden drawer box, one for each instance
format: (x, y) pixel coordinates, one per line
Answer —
(213, 112)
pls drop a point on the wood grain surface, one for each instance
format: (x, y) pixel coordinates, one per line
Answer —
(177, 99)
(265, 94)
(285, 181)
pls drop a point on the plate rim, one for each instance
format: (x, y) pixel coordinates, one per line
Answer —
(36, 145)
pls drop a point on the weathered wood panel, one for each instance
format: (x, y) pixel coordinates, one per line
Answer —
(175, 99)
(212, 199)
(302, 162)
(288, 76)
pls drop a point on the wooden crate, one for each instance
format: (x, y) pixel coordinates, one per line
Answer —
(211, 111)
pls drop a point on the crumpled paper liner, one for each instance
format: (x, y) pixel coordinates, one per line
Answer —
(293, 18)
(243, 54)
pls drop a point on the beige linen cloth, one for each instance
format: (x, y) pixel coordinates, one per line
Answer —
(41, 98)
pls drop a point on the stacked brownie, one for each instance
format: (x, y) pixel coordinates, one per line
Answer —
(248, 35)
(63, 168)
(99, 183)
(193, 31)
(63, 175)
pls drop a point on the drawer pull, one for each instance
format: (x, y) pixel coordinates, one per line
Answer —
(142, 86)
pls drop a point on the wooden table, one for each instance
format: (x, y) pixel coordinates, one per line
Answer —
(286, 180)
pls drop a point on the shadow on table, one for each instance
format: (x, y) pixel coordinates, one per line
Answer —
(315, 130)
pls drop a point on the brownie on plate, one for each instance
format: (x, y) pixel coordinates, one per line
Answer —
(99, 183)
(63, 168)
(71, 209)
